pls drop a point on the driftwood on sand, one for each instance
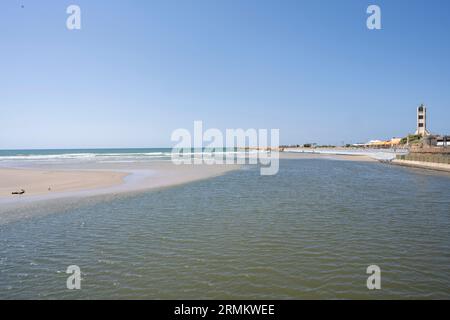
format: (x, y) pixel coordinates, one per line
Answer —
(19, 192)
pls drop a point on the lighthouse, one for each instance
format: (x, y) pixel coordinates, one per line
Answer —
(422, 121)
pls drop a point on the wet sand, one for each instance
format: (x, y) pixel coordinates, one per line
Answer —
(39, 182)
(79, 184)
(95, 179)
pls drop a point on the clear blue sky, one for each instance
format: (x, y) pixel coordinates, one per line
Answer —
(140, 69)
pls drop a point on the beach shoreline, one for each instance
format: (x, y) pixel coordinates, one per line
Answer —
(41, 184)
(51, 180)
(76, 186)
(62, 180)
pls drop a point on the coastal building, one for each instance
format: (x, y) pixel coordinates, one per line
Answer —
(436, 141)
(359, 145)
(395, 142)
(383, 143)
(443, 141)
(422, 121)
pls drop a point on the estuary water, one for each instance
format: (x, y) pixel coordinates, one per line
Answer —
(309, 232)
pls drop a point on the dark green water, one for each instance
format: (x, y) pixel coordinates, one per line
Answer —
(308, 232)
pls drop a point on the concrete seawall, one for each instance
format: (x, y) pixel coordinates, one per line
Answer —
(422, 164)
(377, 154)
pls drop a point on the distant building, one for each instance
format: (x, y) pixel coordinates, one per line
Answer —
(395, 141)
(436, 141)
(383, 143)
(443, 141)
(359, 144)
(422, 121)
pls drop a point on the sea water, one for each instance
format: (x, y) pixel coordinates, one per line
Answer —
(310, 231)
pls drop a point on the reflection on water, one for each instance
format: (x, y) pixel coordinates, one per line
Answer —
(308, 232)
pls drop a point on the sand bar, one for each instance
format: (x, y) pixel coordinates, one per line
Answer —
(89, 183)
(95, 179)
(39, 182)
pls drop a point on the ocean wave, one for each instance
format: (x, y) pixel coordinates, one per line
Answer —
(114, 156)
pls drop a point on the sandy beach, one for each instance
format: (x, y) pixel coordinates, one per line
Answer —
(69, 184)
(94, 179)
(39, 182)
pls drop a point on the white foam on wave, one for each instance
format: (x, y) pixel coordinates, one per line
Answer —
(49, 156)
(105, 157)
